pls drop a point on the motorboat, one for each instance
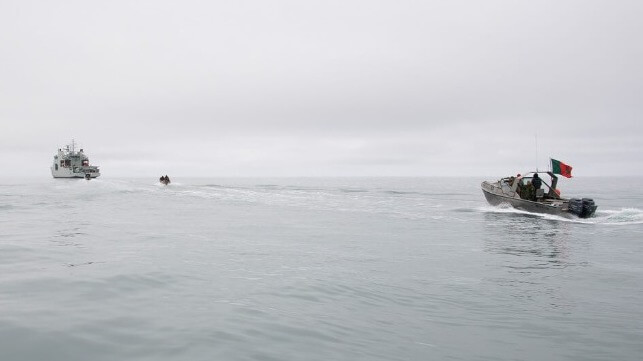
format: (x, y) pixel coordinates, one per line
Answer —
(69, 163)
(165, 180)
(519, 192)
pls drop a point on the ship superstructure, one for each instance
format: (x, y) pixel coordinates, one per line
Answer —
(69, 163)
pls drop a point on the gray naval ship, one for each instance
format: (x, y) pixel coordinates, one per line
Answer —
(520, 193)
(69, 163)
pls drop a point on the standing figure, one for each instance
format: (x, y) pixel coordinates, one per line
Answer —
(536, 181)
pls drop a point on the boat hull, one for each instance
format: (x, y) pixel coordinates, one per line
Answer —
(68, 173)
(526, 205)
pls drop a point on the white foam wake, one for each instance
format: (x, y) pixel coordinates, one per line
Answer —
(624, 216)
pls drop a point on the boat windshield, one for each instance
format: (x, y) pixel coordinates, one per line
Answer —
(526, 181)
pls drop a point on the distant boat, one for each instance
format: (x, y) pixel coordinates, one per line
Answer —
(165, 180)
(519, 193)
(69, 163)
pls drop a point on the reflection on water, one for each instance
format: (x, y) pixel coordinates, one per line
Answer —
(545, 241)
(529, 255)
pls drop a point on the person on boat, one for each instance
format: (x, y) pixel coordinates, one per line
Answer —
(528, 192)
(161, 179)
(520, 188)
(167, 179)
(536, 181)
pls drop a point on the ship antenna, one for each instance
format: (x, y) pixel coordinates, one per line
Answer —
(536, 136)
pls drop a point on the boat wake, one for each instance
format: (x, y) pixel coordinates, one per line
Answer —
(416, 206)
(624, 216)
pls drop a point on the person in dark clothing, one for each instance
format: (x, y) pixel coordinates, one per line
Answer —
(536, 182)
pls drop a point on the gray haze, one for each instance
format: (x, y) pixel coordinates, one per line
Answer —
(322, 88)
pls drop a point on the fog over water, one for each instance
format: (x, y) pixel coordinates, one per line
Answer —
(353, 88)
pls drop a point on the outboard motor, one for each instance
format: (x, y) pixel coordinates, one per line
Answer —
(589, 207)
(583, 208)
(576, 206)
(88, 176)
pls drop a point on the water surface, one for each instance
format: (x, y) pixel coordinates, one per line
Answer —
(314, 269)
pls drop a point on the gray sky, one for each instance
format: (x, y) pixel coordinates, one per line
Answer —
(322, 88)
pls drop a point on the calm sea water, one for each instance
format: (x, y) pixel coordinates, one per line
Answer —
(315, 269)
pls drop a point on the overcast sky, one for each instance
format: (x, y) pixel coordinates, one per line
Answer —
(322, 88)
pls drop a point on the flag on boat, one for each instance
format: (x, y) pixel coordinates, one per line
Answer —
(558, 167)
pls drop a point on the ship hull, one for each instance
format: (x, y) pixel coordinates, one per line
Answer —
(67, 173)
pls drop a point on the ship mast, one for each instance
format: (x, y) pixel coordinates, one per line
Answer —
(536, 136)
